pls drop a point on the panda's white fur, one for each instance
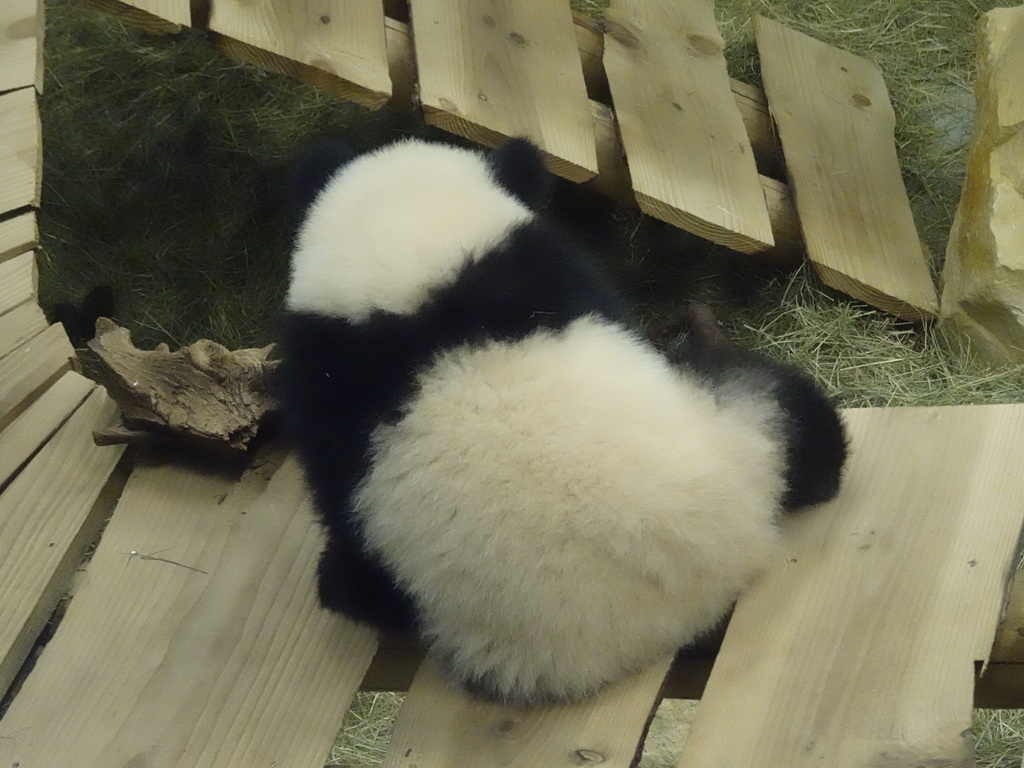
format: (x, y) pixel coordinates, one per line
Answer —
(376, 239)
(497, 461)
(565, 508)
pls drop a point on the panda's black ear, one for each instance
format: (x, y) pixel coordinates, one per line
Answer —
(519, 168)
(312, 169)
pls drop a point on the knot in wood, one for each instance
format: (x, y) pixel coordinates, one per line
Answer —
(588, 757)
(517, 38)
(860, 100)
(703, 45)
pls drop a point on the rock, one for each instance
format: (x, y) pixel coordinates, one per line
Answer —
(983, 280)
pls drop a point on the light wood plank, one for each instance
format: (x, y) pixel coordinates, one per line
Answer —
(48, 518)
(688, 151)
(858, 647)
(174, 11)
(440, 727)
(17, 235)
(19, 325)
(344, 38)
(207, 647)
(40, 421)
(21, 44)
(19, 281)
(836, 125)
(613, 177)
(491, 69)
(21, 156)
(30, 369)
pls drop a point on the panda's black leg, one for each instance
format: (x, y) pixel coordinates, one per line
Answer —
(349, 583)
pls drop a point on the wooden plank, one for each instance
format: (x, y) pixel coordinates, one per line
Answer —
(17, 235)
(40, 421)
(30, 369)
(206, 647)
(48, 519)
(613, 177)
(19, 325)
(440, 727)
(21, 157)
(858, 647)
(491, 69)
(344, 38)
(21, 44)
(687, 149)
(836, 125)
(19, 281)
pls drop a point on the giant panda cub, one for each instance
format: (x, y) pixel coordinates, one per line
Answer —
(498, 461)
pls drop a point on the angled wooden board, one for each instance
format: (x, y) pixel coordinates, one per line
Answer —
(492, 69)
(858, 646)
(343, 38)
(47, 517)
(19, 325)
(195, 638)
(688, 152)
(30, 369)
(17, 235)
(18, 281)
(836, 125)
(174, 11)
(21, 158)
(440, 727)
(21, 44)
(42, 419)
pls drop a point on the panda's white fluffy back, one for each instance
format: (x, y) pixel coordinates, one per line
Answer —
(397, 223)
(545, 499)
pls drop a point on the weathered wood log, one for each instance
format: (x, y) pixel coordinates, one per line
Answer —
(204, 393)
(983, 280)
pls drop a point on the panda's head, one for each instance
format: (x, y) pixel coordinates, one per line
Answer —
(383, 230)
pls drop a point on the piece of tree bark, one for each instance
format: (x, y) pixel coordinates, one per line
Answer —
(204, 393)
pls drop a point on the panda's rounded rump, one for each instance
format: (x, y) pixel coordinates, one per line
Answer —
(394, 224)
(570, 488)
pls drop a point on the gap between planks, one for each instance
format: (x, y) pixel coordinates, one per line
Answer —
(195, 639)
(48, 516)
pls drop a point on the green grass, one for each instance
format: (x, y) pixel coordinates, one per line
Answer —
(164, 162)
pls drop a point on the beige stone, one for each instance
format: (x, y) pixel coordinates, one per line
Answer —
(983, 292)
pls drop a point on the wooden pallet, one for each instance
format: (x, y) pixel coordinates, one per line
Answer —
(192, 637)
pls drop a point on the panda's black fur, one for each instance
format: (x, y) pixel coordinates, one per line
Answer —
(355, 385)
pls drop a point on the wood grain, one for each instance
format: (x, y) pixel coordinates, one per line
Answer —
(836, 125)
(19, 281)
(19, 325)
(40, 421)
(48, 518)
(30, 369)
(440, 727)
(204, 648)
(490, 69)
(342, 38)
(21, 157)
(858, 647)
(17, 235)
(21, 44)
(686, 146)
